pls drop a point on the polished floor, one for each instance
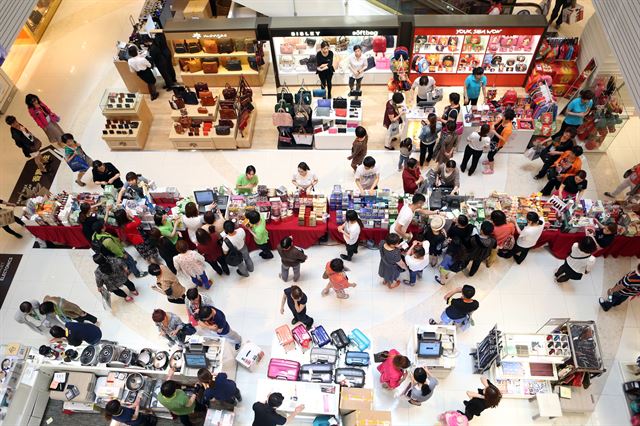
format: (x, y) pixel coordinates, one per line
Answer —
(70, 70)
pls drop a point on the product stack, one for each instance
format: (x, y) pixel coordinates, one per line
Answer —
(335, 122)
(557, 59)
(376, 211)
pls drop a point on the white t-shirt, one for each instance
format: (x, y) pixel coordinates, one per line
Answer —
(356, 64)
(405, 216)
(367, 177)
(478, 143)
(580, 261)
(237, 240)
(138, 63)
(304, 181)
(423, 90)
(530, 234)
(353, 229)
(192, 224)
(415, 264)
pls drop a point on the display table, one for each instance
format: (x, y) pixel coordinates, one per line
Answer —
(70, 236)
(560, 244)
(326, 140)
(439, 366)
(374, 234)
(318, 398)
(303, 236)
(517, 144)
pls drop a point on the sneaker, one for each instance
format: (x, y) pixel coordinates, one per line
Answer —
(601, 302)
(432, 321)
(242, 275)
(79, 182)
(389, 148)
(154, 96)
(409, 283)
(345, 257)
(487, 172)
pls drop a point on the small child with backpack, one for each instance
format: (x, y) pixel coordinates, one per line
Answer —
(338, 281)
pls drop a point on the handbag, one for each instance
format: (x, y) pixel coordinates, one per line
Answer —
(209, 67)
(228, 123)
(339, 103)
(225, 45)
(228, 113)
(78, 164)
(203, 110)
(253, 63)
(176, 102)
(324, 103)
(209, 45)
(303, 138)
(180, 46)
(340, 112)
(233, 65)
(380, 356)
(311, 42)
(287, 107)
(323, 111)
(286, 49)
(233, 256)
(371, 63)
(208, 99)
(229, 93)
(194, 47)
(201, 88)
(178, 128)
(319, 93)
(250, 45)
(342, 44)
(240, 44)
(382, 63)
(303, 96)
(282, 118)
(194, 65)
(190, 97)
(284, 137)
(223, 130)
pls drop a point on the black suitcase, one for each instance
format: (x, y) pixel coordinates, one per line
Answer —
(356, 359)
(352, 377)
(339, 339)
(319, 373)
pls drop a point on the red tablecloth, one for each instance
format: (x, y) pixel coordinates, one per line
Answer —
(560, 244)
(303, 236)
(375, 234)
(71, 236)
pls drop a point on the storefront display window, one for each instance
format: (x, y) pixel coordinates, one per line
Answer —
(38, 21)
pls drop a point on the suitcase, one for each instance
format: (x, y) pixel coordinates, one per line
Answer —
(339, 339)
(360, 340)
(318, 373)
(320, 336)
(351, 377)
(285, 338)
(324, 355)
(356, 359)
(283, 369)
(302, 336)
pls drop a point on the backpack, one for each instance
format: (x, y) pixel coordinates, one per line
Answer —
(233, 256)
(98, 247)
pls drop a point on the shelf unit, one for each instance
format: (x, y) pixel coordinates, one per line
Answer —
(139, 111)
(326, 140)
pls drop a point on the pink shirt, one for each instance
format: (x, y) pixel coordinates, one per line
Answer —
(191, 263)
(389, 374)
(40, 115)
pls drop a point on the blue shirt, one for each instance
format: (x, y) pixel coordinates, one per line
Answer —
(220, 321)
(223, 389)
(127, 414)
(82, 331)
(578, 106)
(473, 86)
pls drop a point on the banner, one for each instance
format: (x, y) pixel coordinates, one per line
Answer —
(8, 267)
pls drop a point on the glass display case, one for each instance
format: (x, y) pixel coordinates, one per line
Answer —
(118, 101)
(38, 20)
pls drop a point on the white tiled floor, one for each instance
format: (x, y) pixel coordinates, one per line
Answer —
(518, 298)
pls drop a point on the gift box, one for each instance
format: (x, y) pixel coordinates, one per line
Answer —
(352, 399)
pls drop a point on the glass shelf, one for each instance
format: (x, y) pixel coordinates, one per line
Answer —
(119, 101)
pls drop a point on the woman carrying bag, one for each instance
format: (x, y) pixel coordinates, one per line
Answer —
(75, 157)
(392, 119)
(25, 140)
(46, 119)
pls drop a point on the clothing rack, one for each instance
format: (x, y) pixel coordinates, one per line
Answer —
(543, 100)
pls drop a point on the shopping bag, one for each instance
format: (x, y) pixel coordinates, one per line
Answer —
(78, 164)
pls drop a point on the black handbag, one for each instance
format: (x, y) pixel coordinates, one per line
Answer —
(371, 63)
(380, 356)
(339, 103)
(311, 42)
(233, 256)
(253, 63)
(190, 97)
(312, 64)
(285, 94)
(223, 130)
(194, 47)
(180, 47)
(356, 103)
(233, 65)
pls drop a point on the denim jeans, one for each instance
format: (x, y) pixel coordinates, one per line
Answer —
(131, 264)
(402, 161)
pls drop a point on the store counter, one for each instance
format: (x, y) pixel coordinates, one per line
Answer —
(303, 236)
(318, 398)
(441, 357)
(517, 144)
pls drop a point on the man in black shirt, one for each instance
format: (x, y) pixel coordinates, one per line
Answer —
(459, 309)
(573, 186)
(603, 234)
(265, 413)
(106, 174)
(554, 148)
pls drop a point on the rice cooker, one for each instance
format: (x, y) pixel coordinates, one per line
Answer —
(89, 355)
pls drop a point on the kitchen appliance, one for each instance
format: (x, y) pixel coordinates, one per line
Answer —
(128, 357)
(70, 355)
(176, 360)
(108, 353)
(145, 358)
(89, 355)
(161, 360)
(135, 381)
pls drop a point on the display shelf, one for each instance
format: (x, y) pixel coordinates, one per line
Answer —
(506, 371)
(210, 55)
(111, 99)
(192, 111)
(185, 141)
(533, 348)
(135, 133)
(38, 21)
(137, 140)
(220, 79)
(246, 140)
(141, 112)
(522, 388)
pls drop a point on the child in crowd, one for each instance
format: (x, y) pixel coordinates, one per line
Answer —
(416, 260)
(192, 264)
(291, 257)
(367, 176)
(435, 235)
(338, 281)
(350, 231)
(406, 146)
(258, 228)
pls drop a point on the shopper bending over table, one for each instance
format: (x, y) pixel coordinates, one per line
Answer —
(178, 402)
(580, 261)
(472, 86)
(246, 183)
(477, 143)
(568, 164)
(572, 187)
(304, 180)
(106, 174)
(405, 216)
(233, 241)
(576, 111)
(603, 235)
(217, 387)
(628, 286)
(501, 133)
(422, 86)
(167, 227)
(554, 147)
(393, 369)
(325, 70)
(165, 247)
(171, 327)
(264, 413)
(194, 302)
(428, 137)
(111, 246)
(65, 310)
(29, 314)
(527, 238)
(192, 219)
(367, 176)
(435, 234)
(129, 228)
(448, 176)
(358, 148)
(130, 414)
(210, 246)
(76, 333)
(504, 231)
(215, 320)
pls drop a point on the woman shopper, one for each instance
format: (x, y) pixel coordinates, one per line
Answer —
(167, 283)
(357, 66)
(112, 274)
(358, 148)
(209, 246)
(165, 247)
(411, 177)
(296, 300)
(75, 157)
(421, 387)
(393, 119)
(192, 220)
(451, 111)
(406, 147)
(350, 231)
(171, 327)
(477, 143)
(428, 137)
(580, 261)
(325, 70)
(568, 164)
(393, 369)
(553, 148)
(304, 180)
(576, 111)
(87, 217)
(472, 86)
(140, 65)
(448, 176)
(24, 139)
(488, 397)
(46, 119)
(422, 87)
(290, 257)
(192, 264)
(129, 230)
(631, 180)
(235, 249)
(504, 231)
(447, 144)
(501, 133)
(391, 263)
(527, 238)
(217, 387)
(572, 187)
(167, 226)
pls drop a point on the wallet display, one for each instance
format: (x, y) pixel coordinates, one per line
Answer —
(120, 127)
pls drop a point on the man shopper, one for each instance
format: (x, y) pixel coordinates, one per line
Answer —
(628, 286)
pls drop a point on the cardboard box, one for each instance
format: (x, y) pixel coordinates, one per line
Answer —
(352, 399)
(367, 418)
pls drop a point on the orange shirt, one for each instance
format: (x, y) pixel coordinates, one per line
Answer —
(338, 280)
(506, 133)
(571, 171)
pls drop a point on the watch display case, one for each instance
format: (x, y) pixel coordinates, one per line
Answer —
(117, 101)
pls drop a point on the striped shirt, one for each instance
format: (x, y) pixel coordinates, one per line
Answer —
(631, 283)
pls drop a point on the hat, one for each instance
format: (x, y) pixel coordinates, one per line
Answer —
(436, 222)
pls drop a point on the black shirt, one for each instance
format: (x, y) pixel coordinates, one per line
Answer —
(572, 187)
(459, 308)
(266, 416)
(291, 304)
(109, 172)
(603, 239)
(436, 241)
(461, 236)
(321, 60)
(23, 142)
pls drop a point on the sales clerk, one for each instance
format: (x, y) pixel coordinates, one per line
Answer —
(139, 64)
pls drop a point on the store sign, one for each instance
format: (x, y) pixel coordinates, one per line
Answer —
(305, 33)
(365, 33)
(198, 36)
(32, 182)
(8, 268)
(478, 31)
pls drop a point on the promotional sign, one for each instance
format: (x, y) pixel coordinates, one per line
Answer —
(32, 182)
(505, 54)
(8, 267)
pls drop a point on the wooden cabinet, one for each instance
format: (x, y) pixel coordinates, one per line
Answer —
(119, 133)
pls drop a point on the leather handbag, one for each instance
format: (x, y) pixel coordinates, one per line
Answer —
(355, 103)
(250, 44)
(229, 93)
(300, 119)
(178, 128)
(342, 44)
(319, 93)
(285, 95)
(253, 63)
(287, 107)
(208, 99)
(223, 130)
(339, 103)
(341, 112)
(209, 67)
(209, 45)
(180, 46)
(203, 110)
(303, 138)
(323, 111)
(225, 45)
(371, 63)
(303, 96)
(228, 114)
(281, 118)
(176, 102)
(301, 47)
(285, 137)
(190, 97)
(240, 44)
(233, 65)
(312, 64)
(286, 49)
(194, 47)
(228, 123)
(194, 65)
(201, 87)
(311, 42)
(383, 63)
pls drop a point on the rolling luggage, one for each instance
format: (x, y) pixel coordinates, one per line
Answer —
(319, 373)
(339, 339)
(285, 337)
(320, 336)
(359, 339)
(302, 336)
(356, 359)
(351, 377)
(283, 369)
(324, 355)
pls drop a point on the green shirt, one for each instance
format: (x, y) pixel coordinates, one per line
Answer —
(111, 243)
(166, 229)
(242, 181)
(177, 404)
(260, 231)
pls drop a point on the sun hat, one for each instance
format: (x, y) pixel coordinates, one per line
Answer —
(436, 222)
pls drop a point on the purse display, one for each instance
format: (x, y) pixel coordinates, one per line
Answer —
(233, 65)
(208, 99)
(228, 114)
(286, 49)
(194, 65)
(200, 87)
(240, 44)
(209, 45)
(282, 118)
(229, 93)
(178, 128)
(228, 123)
(339, 103)
(176, 102)
(194, 47)
(342, 44)
(190, 97)
(209, 67)
(225, 45)
(223, 130)
(203, 110)
(253, 63)
(323, 111)
(250, 44)
(341, 112)
(312, 64)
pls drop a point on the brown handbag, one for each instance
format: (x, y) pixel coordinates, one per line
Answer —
(225, 45)
(240, 44)
(178, 128)
(228, 114)
(208, 100)
(203, 93)
(228, 123)
(200, 87)
(250, 44)
(210, 67)
(194, 65)
(176, 102)
(209, 45)
(185, 121)
(203, 110)
(229, 92)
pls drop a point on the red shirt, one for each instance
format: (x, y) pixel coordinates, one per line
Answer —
(131, 232)
(410, 179)
(212, 250)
